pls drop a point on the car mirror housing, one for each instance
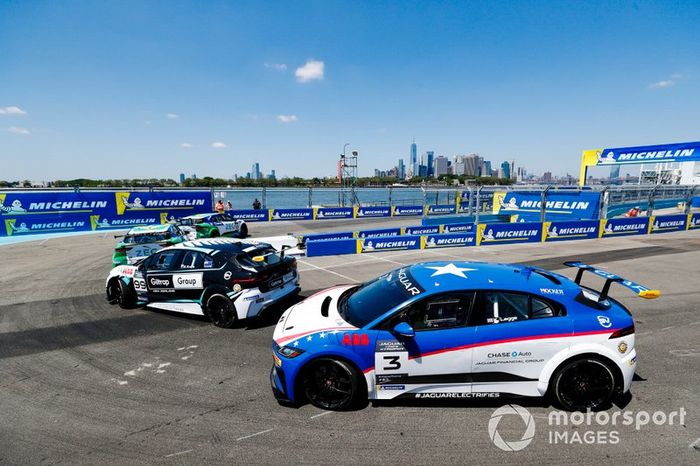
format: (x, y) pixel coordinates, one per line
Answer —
(404, 329)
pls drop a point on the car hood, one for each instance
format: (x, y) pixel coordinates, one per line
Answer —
(305, 318)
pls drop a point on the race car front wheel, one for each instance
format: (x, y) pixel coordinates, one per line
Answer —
(221, 310)
(584, 384)
(120, 293)
(243, 231)
(332, 384)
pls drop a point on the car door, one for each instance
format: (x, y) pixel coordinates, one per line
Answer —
(188, 275)
(515, 334)
(436, 361)
(159, 275)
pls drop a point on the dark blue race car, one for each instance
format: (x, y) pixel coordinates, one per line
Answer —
(458, 330)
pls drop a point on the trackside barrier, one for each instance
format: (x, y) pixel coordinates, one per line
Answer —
(508, 233)
(328, 213)
(382, 232)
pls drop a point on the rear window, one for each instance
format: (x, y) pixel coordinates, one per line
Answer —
(147, 238)
(259, 257)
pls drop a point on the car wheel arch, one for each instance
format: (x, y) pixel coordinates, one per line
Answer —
(611, 365)
(301, 372)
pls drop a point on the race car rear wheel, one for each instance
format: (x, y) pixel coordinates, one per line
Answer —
(332, 384)
(122, 294)
(221, 311)
(243, 231)
(584, 384)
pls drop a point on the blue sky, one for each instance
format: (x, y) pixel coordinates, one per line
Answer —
(152, 89)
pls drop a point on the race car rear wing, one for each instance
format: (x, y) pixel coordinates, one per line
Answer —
(639, 290)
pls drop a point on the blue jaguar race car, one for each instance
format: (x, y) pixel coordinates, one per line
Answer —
(458, 330)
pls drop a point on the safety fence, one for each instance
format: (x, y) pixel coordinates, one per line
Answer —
(486, 234)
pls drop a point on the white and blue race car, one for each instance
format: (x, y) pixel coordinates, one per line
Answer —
(458, 330)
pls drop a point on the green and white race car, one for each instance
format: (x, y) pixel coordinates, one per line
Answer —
(213, 225)
(140, 242)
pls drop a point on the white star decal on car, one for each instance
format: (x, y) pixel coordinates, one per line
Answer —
(450, 269)
(296, 343)
(308, 338)
(323, 335)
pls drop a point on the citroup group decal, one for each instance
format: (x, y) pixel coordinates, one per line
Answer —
(578, 229)
(668, 223)
(503, 233)
(624, 226)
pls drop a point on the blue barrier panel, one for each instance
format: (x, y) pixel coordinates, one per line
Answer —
(291, 214)
(378, 211)
(441, 209)
(568, 230)
(488, 218)
(328, 236)
(323, 213)
(458, 228)
(251, 215)
(61, 211)
(667, 223)
(625, 226)
(449, 240)
(695, 201)
(565, 205)
(379, 232)
(694, 221)
(421, 230)
(331, 247)
(408, 210)
(504, 233)
(390, 244)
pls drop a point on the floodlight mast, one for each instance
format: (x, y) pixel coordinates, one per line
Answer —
(347, 175)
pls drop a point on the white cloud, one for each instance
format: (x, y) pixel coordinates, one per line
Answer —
(287, 118)
(12, 110)
(311, 71)
(662, 84)
(218, 145)
(676, 76)
(172, 116)
(276, 66)
(18, 130)
(186, 145)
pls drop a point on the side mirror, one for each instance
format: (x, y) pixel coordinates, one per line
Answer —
(404, 329)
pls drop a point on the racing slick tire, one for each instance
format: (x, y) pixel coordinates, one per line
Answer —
(333, 384)
(243, 231)
(120, 293)
(214, 234)
(583, 384)
(220, 310)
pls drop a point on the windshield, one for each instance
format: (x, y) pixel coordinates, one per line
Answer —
(147, 238)
(360, 306)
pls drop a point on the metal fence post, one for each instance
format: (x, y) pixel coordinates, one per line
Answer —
(310, 197)
(477, 198)
(689, 199)
(604, 203)
(264, 197)
(650, 201)
(211, 192)
(471, 202)
(391, 190)
(543, 202)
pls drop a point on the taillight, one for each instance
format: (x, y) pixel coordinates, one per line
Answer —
(623, 332)
(248, 282)
(121, 250)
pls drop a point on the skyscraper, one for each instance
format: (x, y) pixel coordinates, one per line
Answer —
(430, 155)
(440, 166)
(505, 167)
(255, 172)
(414, 159)
(401, 170)
(182, 178)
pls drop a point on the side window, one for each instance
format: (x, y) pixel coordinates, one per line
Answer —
(163, 261)
(227, 218)
(498, 306)
(437, 312)
(541, 309)
(192, 260)
(214, 218)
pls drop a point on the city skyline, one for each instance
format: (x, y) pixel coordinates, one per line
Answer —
(105, 90)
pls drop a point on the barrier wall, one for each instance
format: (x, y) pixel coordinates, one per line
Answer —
(328, 213)
(487, 234)
(23, 213)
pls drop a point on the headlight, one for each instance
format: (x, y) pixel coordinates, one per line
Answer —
(289, 352)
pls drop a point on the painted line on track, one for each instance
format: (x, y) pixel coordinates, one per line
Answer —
(255, 434)
(321, 414)
(329, 271)
(178, 453)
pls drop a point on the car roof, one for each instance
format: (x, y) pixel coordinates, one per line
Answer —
(150, 229)
(442, 276)
(214, 245)
(198, 216)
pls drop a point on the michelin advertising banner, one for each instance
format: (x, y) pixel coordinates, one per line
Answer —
(421, 230)
(440, 209)
(694, 221)
(378, 233)
(458, 228)
(250, 215)
(624, 226)
(681, 152)
(408, 210)
(49, 212)
(291, 214)
(378, 211)
(505, 233)
(448, 240)
(578, 205)
(668, 223)
(326, 213)
(577, 229)
(395, 243)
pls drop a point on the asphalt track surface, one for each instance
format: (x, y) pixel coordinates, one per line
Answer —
(83, 382)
